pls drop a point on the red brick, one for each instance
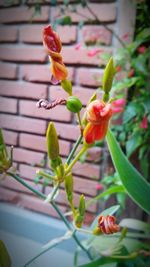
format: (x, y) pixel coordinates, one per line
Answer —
(105, 12)
(8, 34)
(40, 73)
(39, 143)
(87, 170)
(73, 56)
(96, 35)
(33, 33)
(29, 108)
(68, 34)
(27, 156)
(84, 186)
(83, 94)
(27, 172)
(23, 89)
(8, 195)
(22, 124)
(10, 137)
(92, 77)
(8, 105)
(23, 53)
(11, 183)
(94, 154)
(8, 71)
(23, 14)
(3, 3)
(89, 218)
(67, 131)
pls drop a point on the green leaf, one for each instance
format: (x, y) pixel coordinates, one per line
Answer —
(99, 262)
(127, 83)
(133, 143)
(130, 112)
(5, 260)
(108, 76)
(136, 225)
(112, 190)
(135, 184)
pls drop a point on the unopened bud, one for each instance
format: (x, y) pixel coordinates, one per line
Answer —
(52, 142)
(74, 104)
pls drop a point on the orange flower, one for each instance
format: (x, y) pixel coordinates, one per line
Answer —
(53, 46)
(98, 114)
(107, 224)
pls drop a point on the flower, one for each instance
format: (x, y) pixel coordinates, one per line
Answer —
(98, 114)
(78, 46)
(94, 52)
(131, 73)
(53, 46)
(118, 68)
(107, 224)
(99, 186)
(141, 49)
(144, 123)
(118, 105)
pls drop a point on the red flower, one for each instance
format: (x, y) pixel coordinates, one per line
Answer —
(98, 114)
(131, 73)
(141, 49)
(99, 186)
(107, 224)
(144, 123)
(52, 43)
(118, 68)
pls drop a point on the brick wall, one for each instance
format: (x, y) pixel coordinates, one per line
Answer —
(25, 78)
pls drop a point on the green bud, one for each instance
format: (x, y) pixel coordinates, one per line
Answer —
(60, 172)
(108, 76)
(52, 142)
(69, 187)
(78, 220)
(67, 86)
(55, 163)
(73, 104)
(82, 205)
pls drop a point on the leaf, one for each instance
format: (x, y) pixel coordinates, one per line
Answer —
(130, 112)
(135, 184)
(112, 190)
(99, 262)
(127, 83)
(5, 260)
(133, 143)
(136, 225)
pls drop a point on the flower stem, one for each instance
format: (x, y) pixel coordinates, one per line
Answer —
(74, 149)
(47, 175)
(81, 152)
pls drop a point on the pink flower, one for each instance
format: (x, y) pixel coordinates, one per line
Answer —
(78, 46)
(118, 105)
(125, 36)
(144, 123)
(94, 52)
(141, 49)
(99, 187)
(119, 102)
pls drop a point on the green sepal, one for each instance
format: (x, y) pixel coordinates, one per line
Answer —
(97, 231)
(73, 104)
(80, 213)
(67, 86)
(78, 220)
(69, 187)
(60, 172)
(55, 163)
(108, 76)
(52, 142)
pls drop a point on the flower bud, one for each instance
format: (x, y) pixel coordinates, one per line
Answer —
(108, 76)
(81, 212)
(67, 86)
(69, 187)
(73, 104)
(107, 224)
(52, 142)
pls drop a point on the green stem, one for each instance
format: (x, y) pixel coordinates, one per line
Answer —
(74, 149)
(81, 152)
(52, 194)
(47, 175)
(21, 181)
(43, 196)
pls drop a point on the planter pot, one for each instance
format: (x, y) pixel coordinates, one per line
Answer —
(24, 232)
